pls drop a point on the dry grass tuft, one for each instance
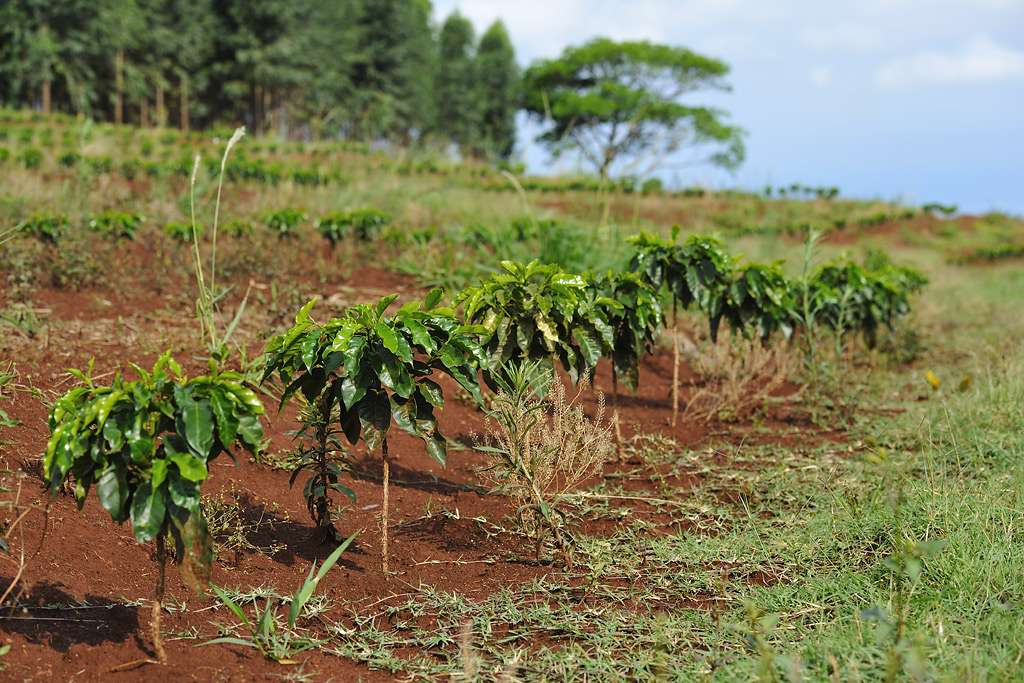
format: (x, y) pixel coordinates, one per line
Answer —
(739, 377)
(541, 449)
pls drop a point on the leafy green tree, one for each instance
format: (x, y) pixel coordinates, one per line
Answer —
(327, 36)
(458, 106)
(146, 446)
(119, 29)
(175, 50)
(612, 100)
(499, 88)
(260, 59)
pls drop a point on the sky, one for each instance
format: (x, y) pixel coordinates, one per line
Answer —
(915, 101)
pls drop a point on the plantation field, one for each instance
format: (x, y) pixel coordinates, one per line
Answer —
(837, 502)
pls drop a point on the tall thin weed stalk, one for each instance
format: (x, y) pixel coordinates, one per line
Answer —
(207, 304)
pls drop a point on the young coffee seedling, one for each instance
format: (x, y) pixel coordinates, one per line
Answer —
(697, 271)
(375, 369)
(145, 445)
(537, 312)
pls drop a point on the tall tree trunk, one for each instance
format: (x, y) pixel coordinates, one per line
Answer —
(268, 111)
(119, 88)
(47, 85)
(184, 103)
(160, 115)
(257, 109)
(144, 113)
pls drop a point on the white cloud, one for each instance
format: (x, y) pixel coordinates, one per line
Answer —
(932, 5)
(544, 28)
(849, 37)
(979, 60)
(820, 76)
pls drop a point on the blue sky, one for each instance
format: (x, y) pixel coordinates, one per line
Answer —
(909, 100)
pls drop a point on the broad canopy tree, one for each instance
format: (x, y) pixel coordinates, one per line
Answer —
(613, 100)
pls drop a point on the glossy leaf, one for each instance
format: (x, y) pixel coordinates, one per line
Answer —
(374, 411)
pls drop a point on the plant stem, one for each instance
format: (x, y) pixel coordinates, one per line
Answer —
(810, 250)
(205, 316)
(615, 405)
(384, 511)
(675, 361)
(322, 418)
(158, 598)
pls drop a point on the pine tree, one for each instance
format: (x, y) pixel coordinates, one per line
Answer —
(458, 100)
(499, 88)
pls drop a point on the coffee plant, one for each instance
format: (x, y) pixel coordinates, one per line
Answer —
(285, 222)
(146, 445)
(536, 312)
(636, 323)
(762, 300)
(116, 224)
(47, 228)
(851, 299)
(697, 271)
(364, 224)
(374, 369)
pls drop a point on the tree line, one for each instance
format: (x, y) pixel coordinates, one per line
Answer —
(373, 70)
(362, 69)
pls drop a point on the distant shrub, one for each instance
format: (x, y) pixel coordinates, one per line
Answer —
(101, 164)
(285, 222)
(651, 186)
(237, 228)
(155, 169)
(46, 227)
(32, 157)
(131, 168)
(310, 177)
(68, 158)
(182, 232)
(364, 224)
(944, 209)
(116, 224)
(989, 254)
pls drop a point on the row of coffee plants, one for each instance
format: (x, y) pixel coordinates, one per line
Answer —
(359, 371)
(363, 224)
(146, 444)
(989, 254)
(796, 190)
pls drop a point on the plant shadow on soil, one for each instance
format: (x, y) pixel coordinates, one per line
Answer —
(47, 615)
